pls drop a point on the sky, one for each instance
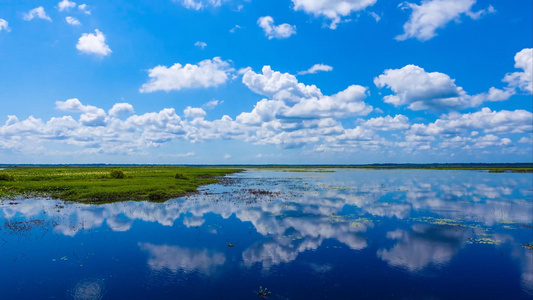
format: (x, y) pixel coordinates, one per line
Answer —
(266, 81)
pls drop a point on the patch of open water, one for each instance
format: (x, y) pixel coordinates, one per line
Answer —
(365, 234)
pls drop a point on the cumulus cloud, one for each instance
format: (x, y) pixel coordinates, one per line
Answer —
(93, 44)
(207, 73)
(194, 112)
(387, 123)
(291, 99)
(420, 90)
(272, 31)
(121, 109)
(522, 80)
(431, 15)
(65, 5)
(4, 25)
(201, 45)
(504, 121)
(316, 68)
(72, 21)
(37, 12)
(92, 115)
(333, 10)
(278, 85)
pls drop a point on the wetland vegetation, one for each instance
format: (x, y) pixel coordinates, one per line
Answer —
(104, 184)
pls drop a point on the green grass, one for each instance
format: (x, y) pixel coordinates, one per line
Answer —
(103, 185)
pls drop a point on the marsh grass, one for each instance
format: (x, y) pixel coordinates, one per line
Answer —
(100, 185)
(4, 176)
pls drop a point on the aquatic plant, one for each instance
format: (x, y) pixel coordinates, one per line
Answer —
(6, 177)
(180, 176)
(262, 293)
(117, 174)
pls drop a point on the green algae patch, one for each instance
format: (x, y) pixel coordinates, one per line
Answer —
(104, 185)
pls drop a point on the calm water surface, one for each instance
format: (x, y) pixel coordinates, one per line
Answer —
(347, 234)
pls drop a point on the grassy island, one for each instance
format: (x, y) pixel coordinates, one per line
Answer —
(106, 184)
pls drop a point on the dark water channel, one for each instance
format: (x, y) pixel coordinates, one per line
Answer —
(347, 234)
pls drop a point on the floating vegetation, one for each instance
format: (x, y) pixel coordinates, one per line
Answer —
(24, 228)
(263, 293)
(231, 245)
(483, 240)
(528, 246)
(438, 221)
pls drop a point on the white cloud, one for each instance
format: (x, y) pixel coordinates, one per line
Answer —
(212, 104)
(4, 25)
(504, 121)
(431, 15)
(83, 8)
(188, 154)
(291, 99)
(121, 109)
(72, 21)
(387, 123)
(37, 12)
(92, 115)
(95, 44)
(525, 140)
(375, 16)
(65, 5)
(272, 31)
(201, 45)
(226, 156)
(208, 73)
(522, 80)
(316, 68)
(332, 9)
(199, 4)
(421, 90)
(194, 112)
(232, 30)
(70, 105)
(278, 85)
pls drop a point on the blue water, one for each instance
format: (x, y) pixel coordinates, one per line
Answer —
(348, 234)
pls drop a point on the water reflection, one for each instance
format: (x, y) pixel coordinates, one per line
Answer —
(175, 258)
(423, 245)
(411, 220)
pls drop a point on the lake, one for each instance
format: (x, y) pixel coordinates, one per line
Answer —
(341, 234)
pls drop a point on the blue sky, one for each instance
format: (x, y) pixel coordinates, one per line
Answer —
(257, 82)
